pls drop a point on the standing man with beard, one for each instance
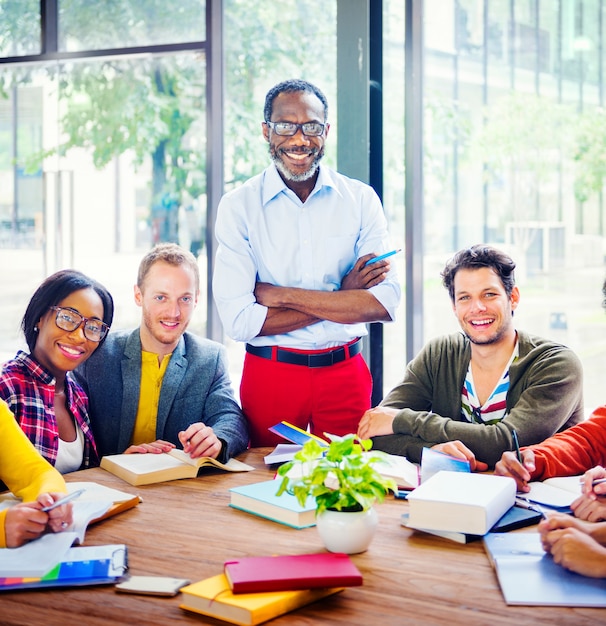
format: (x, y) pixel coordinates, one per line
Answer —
(158, 386)
(465, 394)
(291, 277)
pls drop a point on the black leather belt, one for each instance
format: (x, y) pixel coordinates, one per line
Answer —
(321, 359)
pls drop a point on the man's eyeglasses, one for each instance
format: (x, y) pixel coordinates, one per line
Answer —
(68, 319)
(288, 129)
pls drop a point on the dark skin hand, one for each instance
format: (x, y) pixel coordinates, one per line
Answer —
(292, 308)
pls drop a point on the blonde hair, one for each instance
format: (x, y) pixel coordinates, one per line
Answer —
(172, 254)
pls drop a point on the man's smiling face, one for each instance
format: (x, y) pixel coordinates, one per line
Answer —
(482, 306)
(296, 157)
(168, 298)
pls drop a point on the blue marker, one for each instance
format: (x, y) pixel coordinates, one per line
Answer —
(383, 256)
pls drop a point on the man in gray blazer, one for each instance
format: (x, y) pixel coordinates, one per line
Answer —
(158, 386)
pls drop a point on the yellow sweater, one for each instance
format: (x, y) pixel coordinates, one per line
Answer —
(22, 469)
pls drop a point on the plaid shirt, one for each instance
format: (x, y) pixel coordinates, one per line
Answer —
(29, 391)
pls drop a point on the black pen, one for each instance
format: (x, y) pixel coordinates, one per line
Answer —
(597, 481)
(516, 443)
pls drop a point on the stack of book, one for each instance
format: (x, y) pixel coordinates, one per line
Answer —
(252, 590)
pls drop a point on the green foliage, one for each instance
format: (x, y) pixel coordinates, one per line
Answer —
(340, 478)
(153, 108)
(265, 43)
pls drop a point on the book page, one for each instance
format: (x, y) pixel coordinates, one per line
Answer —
(94, 492)
(403, 471)
(542, 493)
(144, 463)
(568, 483)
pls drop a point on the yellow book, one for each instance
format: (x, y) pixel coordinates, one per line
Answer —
(213, 597)
(145, 469)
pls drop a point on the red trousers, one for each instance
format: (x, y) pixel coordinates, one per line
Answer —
(328, 399)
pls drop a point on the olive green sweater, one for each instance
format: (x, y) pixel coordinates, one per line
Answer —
(545, 396)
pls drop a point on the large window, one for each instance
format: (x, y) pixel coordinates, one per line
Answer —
(513, 92)
(103, 149)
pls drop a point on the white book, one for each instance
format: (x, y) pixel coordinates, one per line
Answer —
(461, 502)
(281, 453)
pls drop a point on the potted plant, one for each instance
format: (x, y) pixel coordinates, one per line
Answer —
(345, 485)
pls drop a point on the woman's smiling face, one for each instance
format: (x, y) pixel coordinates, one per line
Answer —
(61, 351)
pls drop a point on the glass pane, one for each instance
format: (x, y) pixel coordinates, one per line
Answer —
(19, 27)
(110, 158)
(501, 134)
(128, 23)
(394, 334)
(262, 49)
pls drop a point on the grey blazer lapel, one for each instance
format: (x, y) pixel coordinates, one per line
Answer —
(131, 385)
(173, 376)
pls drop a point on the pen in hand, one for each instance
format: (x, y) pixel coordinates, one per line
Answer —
(62, 501)
(516, 444)
(383, 256)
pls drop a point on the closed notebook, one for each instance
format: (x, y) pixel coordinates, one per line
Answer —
(146, 469)
(287, 572)
(461, 502)
(529, 576)
(261, 499)
(293, 433)
(214, 598)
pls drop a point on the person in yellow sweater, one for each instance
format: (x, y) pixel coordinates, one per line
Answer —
(35, 481)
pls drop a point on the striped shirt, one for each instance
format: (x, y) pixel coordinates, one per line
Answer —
(495, 407)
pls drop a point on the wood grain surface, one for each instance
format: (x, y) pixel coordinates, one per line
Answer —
(187, 529)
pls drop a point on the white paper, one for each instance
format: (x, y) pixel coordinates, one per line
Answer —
(36, 558)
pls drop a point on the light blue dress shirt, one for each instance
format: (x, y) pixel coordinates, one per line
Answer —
(267, 234)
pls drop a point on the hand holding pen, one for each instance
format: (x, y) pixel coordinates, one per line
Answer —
(593, 483)
(59, 509)
(518, 464)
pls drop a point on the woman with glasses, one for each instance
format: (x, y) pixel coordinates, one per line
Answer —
(66, 320)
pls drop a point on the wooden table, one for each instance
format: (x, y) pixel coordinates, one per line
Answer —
(186, 529)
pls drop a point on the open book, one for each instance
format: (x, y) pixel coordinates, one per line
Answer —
(557, 493)
(145, 469)
(96, 503)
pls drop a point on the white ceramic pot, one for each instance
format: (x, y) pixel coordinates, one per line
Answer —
(348, 532)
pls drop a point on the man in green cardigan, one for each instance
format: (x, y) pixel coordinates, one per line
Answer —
(465, 394)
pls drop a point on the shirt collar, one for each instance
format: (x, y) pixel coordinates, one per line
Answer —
(34, 368)
(274, 185)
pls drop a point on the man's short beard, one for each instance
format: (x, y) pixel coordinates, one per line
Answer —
(290, 176)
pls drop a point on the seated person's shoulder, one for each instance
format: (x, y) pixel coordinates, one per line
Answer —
(201, 346)
(544, 347)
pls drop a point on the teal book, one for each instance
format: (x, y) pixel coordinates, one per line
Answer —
(261, 499)
(528, 575)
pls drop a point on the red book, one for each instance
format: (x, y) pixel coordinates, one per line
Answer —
(284, 573)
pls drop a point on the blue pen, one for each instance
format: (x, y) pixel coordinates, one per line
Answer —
(383, 256)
